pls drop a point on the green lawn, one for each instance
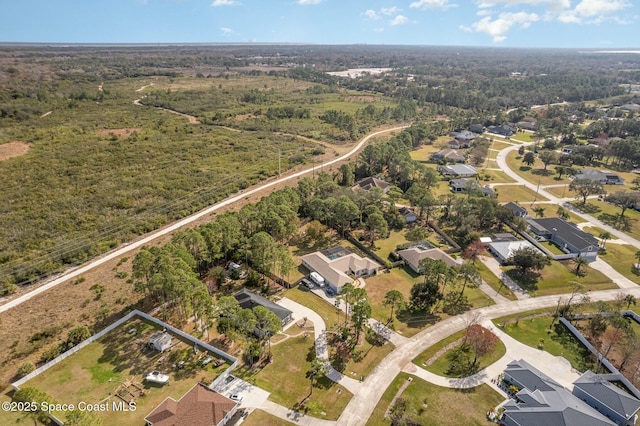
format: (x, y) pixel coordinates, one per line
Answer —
(286, 379)
(499, 145)
(554, 279)
(329, 313)
(423, 154)
(369, 356)
(534, 173)
(428, 353)
(496, 176)
(561, 191)
(552, 248)
(441, 365)
(523, 136)
(386, 246)
(520, 193)
(494, 282)
(262, 418)
(558, 341)
(432, 405)
(622, 257)
(94, 373)
(594, 230)
(609, 214)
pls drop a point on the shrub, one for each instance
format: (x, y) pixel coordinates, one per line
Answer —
(25, 369)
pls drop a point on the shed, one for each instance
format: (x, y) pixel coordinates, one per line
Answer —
(160, 341)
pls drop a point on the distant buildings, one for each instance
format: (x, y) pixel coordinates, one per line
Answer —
(604, 177)
(369, 183)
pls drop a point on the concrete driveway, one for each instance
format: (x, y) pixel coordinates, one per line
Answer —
(252, 396)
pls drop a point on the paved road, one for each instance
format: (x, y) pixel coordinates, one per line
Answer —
(189, 219)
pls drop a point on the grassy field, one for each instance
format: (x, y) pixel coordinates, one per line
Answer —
(286, 379)
(496, 176)
(494, 282)
(520, 193)
(561, 191)
(622, 257)
(329, 313)
(499, 145)
(385, 246)
(262, 418)
(441, 365)
(610, 214)
(432, 405)
(534, 173)
(558, 341)
(428, 353)
(554, 279)
(94, 373)
(423, 154)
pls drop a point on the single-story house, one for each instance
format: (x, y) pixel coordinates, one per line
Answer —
(408, 214)
(631, 107)
(543, 401)
(565, 235)
(463, 185)
(604, 177)
(448, 155)
(369, 183)
(458, 144)
(199, 406)
(526, 125)
(517, 209)
(458, 170)
(504, 130)
(477, 128)
(249, 300)
(413, 255)
(338, 265)
(464, 135)
(503, 250)
(160, 341)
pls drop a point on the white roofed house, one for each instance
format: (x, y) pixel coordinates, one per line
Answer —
(338, 266)
(419, 251)
(457, 171)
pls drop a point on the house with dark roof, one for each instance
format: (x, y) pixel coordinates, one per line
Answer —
(542, 401)
(457, 171)
(408, 214)
(477, 128)
(610, 400)
(504, 130)
(604, 177)
(464, 185)
(249, 300)
(414, 254)
(526, 125)
(450, 155)
(565, 235)
(458, 144)
(369, 183)
(199, 406)
(517, 209)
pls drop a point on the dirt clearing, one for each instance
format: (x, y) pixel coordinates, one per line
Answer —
(13, 149)
(119, 133)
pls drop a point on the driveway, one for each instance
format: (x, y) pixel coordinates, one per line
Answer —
(495, 268)
(252, 396)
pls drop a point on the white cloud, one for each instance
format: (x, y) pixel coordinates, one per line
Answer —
(226, 32)
(217, 3)
(499, 27)
(593, 11)
(551, 4)
(390, 10)
(371, 14)
(307, 2)
(431, 4)
(399, 20)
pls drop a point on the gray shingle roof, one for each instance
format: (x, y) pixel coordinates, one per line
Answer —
(249, 300)
(608, 394)
(567, 231)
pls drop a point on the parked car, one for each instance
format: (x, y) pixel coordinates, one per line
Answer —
(236, 397)
(306, 283)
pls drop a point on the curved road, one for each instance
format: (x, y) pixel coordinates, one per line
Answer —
(189, 219)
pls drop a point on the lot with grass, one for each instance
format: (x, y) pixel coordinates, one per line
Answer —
(622, 257)
(423, 154)
(534, 173)
(519, 193)
(428, 404)
(262, 418)
(554, 279)
(331, 316)
(286, 379)
(557, 341)
(442, 365)
(495, 176)
(610, 214)
(494, 282)
(95, 373)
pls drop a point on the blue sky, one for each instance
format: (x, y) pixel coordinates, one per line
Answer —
(517, 23)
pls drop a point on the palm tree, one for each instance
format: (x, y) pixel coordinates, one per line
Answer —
(580, 262)
(604, 237)
(630, 299)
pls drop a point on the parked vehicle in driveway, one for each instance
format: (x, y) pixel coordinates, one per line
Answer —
(236, 397)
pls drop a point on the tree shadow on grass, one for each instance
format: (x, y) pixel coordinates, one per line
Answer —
(417, 319)
(528, 281)
(525, 168)
(541, 172)
(583, 358)
(587, 207)
(622, 223)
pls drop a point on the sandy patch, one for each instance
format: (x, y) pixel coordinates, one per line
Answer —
(119, 133)
(13, 149)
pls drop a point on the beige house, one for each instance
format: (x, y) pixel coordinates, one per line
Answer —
(338, 266)
(413, 255)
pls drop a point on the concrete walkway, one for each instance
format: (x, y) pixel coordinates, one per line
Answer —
(489, 291)
(495, 268)
(320, 333)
